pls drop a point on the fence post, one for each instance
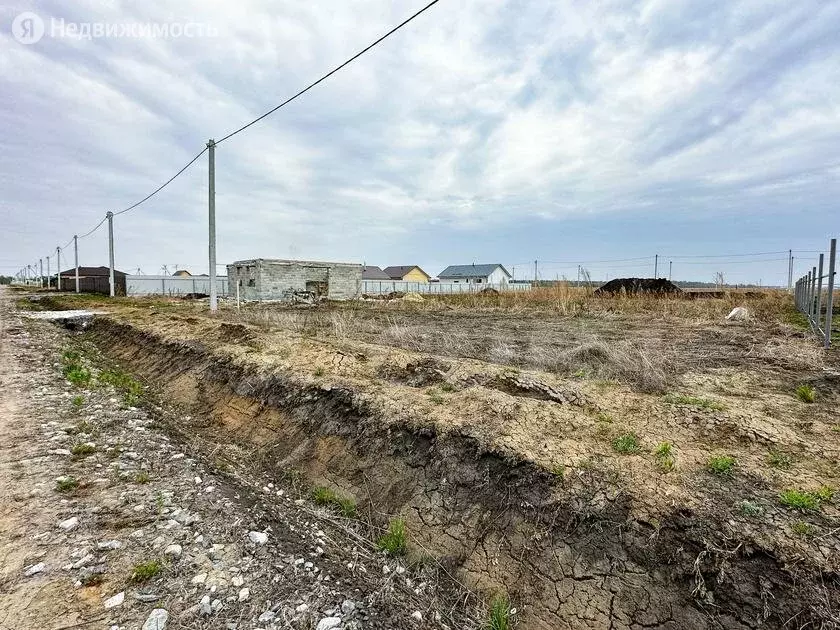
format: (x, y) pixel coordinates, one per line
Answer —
(806, 295)
(829, 302)
(818, 301)
(813, 293)
(58, 269)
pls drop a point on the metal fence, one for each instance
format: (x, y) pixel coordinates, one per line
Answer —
(808, 295)
(380, 287)
(173, 285)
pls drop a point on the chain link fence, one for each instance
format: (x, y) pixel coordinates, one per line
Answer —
(816, 303)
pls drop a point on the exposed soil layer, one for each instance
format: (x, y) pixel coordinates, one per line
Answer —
(639, 285)
(570, 546)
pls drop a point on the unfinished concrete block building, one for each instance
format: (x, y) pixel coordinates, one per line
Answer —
(272, 279)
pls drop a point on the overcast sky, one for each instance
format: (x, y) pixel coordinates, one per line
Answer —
(481, 132)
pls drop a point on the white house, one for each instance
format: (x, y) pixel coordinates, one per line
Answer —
(476, 274)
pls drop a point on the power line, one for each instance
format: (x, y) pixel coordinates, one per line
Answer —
(330, 73)
(164, 185)
(724, 255)
(98, 225)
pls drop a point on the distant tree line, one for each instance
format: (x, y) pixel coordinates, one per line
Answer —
(6, 279)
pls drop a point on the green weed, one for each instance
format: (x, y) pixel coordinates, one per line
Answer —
(319, 372)
(721, 464)
(435, 396)
(446, 386)
(693, 401)
(77, 375)
(324, 496)
(801, 528)
(131, 388)
(626, 444)
(604, 417)
(66, 484)
(559, 471)
(142, 477)
(146, 571)
(778, 459)
(78, 401)
(499, 614)
(664, 455)
(82, 449)
(801, 500)
(806, 393)
(394, 541)
(748, 508)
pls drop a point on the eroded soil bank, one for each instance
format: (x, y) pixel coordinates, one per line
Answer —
(565, 545)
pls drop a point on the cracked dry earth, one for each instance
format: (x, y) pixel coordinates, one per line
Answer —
(147, 534)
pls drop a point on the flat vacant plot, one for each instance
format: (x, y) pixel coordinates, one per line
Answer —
(648, 433)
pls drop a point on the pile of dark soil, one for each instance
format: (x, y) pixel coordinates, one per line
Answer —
(638, 285)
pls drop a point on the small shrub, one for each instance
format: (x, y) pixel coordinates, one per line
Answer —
(721, 464)
(142, 477)
(66, 484)
(693, 401)
(446, 386)
(435, 396)
(806, 393)
(800, 500)
(801, 528)
(83, 449)
(394, 541)
(664, 455)
(319, 371)
(146, 570)
(778, 459)
(499, 614)
(559, 471)
(604, 417)
(748, 508)
(78, 401)
(626, 444)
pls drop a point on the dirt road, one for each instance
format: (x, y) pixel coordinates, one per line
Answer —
(108, 521)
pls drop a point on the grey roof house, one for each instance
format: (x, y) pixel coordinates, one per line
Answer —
(476, 274)
(371, 272)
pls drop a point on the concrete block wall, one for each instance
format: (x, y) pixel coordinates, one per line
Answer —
(274, 278)
(246, 274)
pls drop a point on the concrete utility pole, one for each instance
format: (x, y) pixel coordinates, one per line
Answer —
(656, 266)
(58, 269)
(790, 269)
(670, 269)
(41, 277)
(211, 207)
(76, 255)
(49, 275)
(829, 302)
(535, 272)
(110, 217)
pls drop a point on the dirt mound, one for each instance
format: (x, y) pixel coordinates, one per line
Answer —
(638, 285)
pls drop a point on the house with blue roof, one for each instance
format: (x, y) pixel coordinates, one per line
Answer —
(476, 274)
